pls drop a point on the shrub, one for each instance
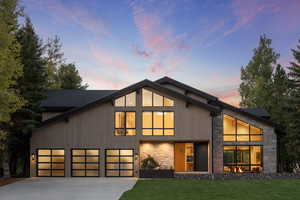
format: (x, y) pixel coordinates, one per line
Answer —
(149, 163)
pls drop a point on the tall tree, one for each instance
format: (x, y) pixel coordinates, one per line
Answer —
(256, 86)
(69, 77)
(54, 58)
(32, 87)
(10, 70)
(293, 136)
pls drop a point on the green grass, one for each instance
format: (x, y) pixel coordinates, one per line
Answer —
(175, 189)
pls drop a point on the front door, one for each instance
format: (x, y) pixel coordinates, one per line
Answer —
(201, 156)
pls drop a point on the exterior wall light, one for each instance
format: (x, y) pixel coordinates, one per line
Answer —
(33, 157)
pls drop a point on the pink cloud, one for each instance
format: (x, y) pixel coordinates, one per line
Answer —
(231, 96)
(76, 14)
(110, 60)
(246, 11)
(140, 52)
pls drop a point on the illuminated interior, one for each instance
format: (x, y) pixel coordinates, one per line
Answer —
(119, 162)
(150, 98)
(85, 162)
(51, 162)
(124, 123)
(158, 123)
(128, 100)
(238, 159)
(237, 130)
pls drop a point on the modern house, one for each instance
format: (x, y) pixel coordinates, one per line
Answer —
(109, 132)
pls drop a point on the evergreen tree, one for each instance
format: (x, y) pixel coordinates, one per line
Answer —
(293, 136)
(54, 58)
(256, 86)
(10, 70)
(32, 87)
(69, 77)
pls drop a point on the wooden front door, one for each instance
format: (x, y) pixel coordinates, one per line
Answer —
(179, 157)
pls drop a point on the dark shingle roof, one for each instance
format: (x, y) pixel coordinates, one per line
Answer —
(62, 100)
(260, 112)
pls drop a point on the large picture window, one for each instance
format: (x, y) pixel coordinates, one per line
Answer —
(151, 99)
(237, 130)
(158, 123)
(240, 159)
(119, 162)
(124, 123)
(50, 162)
(85, 162)
(128, 100)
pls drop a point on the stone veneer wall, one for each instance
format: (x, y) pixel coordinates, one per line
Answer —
(162, 152)
(217, 148)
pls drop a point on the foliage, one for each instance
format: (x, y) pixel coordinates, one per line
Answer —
(10, 65)
(69, 77)
(149, 163)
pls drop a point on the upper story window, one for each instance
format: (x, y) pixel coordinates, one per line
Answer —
(237, 130)
(158, 123)
(128, 100)
(151, 99)
(124, 123)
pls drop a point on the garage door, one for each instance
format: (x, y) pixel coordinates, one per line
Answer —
(50, 162)
(85, 162)
(119, 162)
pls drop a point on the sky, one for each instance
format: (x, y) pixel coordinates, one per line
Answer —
(203, 43)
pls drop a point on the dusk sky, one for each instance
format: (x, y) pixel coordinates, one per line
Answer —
(204, 43)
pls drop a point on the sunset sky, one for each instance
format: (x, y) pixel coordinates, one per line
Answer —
(203, 43)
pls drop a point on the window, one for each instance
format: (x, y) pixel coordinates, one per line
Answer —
(51, 162)
(124, 123)
(119, 162)
(158, 123)
(152, 99)
(85, 162)
(128, 100)
(240, 159)
(237, 130)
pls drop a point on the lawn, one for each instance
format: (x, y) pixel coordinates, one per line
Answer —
(175, 189)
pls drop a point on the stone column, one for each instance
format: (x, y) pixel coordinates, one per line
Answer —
(217, 151)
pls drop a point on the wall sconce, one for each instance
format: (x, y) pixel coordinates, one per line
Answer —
(33, 157)
(136, 156)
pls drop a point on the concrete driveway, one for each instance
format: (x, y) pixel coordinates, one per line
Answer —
(67, 189)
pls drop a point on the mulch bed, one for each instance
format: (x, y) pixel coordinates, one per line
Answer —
(6, 181)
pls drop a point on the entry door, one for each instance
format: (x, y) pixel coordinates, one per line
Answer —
(201, 156)
(179, 157)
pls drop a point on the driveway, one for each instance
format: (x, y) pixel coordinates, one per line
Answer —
(67, 189)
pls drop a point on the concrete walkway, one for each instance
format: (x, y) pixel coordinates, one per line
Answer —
(67, 189)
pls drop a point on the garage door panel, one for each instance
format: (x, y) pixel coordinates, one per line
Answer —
(119, 162)
(50, 162)
(85, 162)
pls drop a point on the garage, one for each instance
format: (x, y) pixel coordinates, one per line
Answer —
(85, 162)
(50, 162)
(119, 162)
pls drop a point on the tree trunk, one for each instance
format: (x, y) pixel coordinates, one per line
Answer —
(6, 171)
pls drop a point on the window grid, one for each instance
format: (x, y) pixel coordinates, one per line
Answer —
(85, 156)
(119, 163)
(125, 124)
(125, 100)
(51, 169)
(152, 100)
(236, 135)
(237, 165)
(163, 123)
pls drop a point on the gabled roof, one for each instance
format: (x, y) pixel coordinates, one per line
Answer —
(185, 87)
(131, 88)
(260, 112)
(215, 101)
(63, 100)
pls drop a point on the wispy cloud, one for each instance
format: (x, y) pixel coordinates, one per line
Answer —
(139, 52)
(74, 13)
(111, 61)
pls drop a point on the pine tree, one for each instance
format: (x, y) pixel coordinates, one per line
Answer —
(293, 137)
(32, 87)
(54, 58)
(256, 86)
(10, 70)
(69, 77)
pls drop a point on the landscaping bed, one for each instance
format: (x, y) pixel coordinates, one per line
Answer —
(156, 173)
(6, 181)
